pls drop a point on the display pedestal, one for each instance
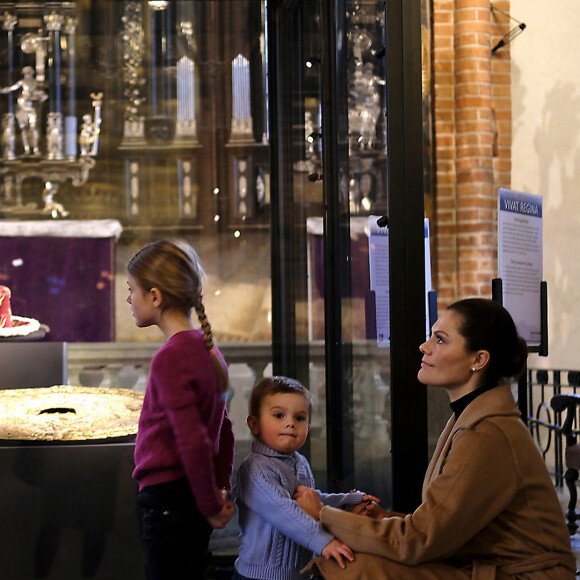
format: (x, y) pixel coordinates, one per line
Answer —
(62, 273)
(69, 512)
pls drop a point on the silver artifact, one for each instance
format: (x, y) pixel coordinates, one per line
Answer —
(26, 114)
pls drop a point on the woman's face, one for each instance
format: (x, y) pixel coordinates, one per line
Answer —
(446, 361)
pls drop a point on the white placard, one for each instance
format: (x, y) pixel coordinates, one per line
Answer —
(379, 278)
(520, 259)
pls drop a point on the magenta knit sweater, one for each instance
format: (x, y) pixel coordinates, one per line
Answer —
(184, 429)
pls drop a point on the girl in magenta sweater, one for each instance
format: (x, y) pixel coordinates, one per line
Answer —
(185, 445)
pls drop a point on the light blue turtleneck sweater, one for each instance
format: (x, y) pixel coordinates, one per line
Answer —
(278, 537)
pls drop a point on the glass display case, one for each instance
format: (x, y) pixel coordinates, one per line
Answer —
(279, 139)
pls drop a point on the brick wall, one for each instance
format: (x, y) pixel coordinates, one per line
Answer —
(472, 116)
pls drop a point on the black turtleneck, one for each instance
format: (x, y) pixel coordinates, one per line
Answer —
(459, 406)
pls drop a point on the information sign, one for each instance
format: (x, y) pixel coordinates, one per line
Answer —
(520, 259)
(379, 277)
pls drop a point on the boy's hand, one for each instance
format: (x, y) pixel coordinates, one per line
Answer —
(337, 550)
(308, 500)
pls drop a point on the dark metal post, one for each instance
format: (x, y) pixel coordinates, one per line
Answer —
(543, 319)
(340, 440)
(407, 255)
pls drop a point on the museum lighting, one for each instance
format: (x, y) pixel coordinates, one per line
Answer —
(158, 4)
(379, 53)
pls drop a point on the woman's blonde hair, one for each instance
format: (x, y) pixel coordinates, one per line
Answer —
(174, 267)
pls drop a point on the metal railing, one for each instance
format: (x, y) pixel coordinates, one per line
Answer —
(544, 423)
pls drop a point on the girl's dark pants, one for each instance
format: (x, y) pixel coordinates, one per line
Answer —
(174, 534)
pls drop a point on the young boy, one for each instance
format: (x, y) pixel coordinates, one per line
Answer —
(277, 536)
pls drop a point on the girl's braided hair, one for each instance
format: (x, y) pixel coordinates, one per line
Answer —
(174, 267)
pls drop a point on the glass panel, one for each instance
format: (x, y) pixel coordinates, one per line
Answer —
(152, 114)
(123, 122)
(305, 291)
(368, 204)
(357, 236)
(438, 402)
(151, 120)
(345, 155)
(298, 278)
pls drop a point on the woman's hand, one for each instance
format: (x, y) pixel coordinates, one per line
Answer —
(369, 507)
(308, 500)
(219, 520)
(337, 550)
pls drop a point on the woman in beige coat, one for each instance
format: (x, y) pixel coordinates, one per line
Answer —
(489, 507)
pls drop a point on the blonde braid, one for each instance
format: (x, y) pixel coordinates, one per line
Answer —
(209, 344)
(205, 325)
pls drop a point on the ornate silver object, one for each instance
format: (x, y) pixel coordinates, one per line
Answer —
(25, 154)
(26, 108)
(9, 21)
(186, 126)
(54, 136)
(241, 108)
(8, 126)
(133, 38)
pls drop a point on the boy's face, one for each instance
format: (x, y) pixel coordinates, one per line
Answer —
(283, 423)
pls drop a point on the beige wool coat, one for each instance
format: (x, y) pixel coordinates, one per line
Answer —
(489, 510)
